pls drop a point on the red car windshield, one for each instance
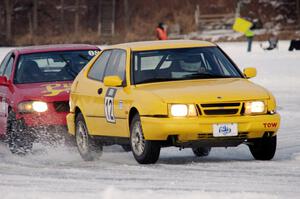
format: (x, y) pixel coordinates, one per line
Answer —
(51, 66)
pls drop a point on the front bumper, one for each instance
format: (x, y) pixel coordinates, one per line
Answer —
(43, 119)
(201, 128)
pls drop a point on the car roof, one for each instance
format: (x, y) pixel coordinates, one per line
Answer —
(56, 47)
(165, 44)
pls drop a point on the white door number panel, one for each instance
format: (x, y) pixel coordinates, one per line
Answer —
(109, 105)
(224, 130)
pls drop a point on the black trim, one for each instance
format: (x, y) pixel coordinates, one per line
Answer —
(132, 82)
(120, 118)
(216, 105)
(157, 116)
(111, 140)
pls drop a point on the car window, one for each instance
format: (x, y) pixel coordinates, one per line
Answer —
(97, 70)
(117, 64)
(4, 63)
(9, 67)
(150, 62)
(51, 66)
(182, 64)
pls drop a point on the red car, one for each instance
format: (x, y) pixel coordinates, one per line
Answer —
(34, 91)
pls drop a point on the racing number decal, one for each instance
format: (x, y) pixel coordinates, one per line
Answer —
(109, 105)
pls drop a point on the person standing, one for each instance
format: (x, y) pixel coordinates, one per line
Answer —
(249, 34)
(161, 32)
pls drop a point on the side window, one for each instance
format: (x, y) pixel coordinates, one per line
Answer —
(9, 67)
(117, 64)
(4, 63)
(97, 70)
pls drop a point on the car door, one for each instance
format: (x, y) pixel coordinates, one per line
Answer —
(91, 94)
(95, 96)
(5, 93)
(116, 102)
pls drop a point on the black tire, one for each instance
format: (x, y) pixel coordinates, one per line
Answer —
(88, 147)
(201, 151)
(263, 148)
(19, 139)
(126, 147)
(144, 151)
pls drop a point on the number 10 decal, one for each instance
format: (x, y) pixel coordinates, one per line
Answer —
(109, 105)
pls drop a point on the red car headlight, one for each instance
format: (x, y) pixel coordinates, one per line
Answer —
(32, 106)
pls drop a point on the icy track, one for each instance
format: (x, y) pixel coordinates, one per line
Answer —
(227, 173)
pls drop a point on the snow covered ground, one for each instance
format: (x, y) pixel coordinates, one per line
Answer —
(227, 173)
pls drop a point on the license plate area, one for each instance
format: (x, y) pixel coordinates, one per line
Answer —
(225, 130)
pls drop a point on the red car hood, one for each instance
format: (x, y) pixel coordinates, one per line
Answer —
(47, 92)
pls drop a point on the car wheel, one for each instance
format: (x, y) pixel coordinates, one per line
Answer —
(144, 151)
(201, 151)
(126, 147)
(19, 139)
(88, 148)
(263, 148)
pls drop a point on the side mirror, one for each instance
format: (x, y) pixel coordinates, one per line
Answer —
(3, 81)
(250, 72)
(113, 81)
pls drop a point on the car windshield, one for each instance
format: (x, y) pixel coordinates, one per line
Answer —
(51, 66)
(182, 64)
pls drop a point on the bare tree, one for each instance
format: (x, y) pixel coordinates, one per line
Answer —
(35, 15)
(99, 17)
(126, 13)
(76, 21)
(298, 12)
(8, 17)
(113, 17)
(30, 26)
(62, 15)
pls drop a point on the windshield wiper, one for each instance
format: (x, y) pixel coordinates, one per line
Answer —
(205, 75)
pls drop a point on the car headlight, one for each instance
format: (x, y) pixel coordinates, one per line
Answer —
(183, 110)
(32, 106)
(254, 107)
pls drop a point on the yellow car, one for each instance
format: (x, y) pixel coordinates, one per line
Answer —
(188, 94)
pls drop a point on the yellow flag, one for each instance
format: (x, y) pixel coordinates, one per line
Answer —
(241, 25)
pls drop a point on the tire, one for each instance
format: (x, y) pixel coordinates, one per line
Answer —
(263, 148)
(126, 147)
(144, 151)
(89, 149)
(19, 139)
(201, 151)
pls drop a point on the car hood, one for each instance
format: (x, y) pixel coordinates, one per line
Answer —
(206, 90)
(48, 92)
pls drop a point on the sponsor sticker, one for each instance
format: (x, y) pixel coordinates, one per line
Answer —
(93, 52)
(56, 89)
(109, 105)
(224, 130)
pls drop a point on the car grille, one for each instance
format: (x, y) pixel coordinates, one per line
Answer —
(220, 109)
(62, 106)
